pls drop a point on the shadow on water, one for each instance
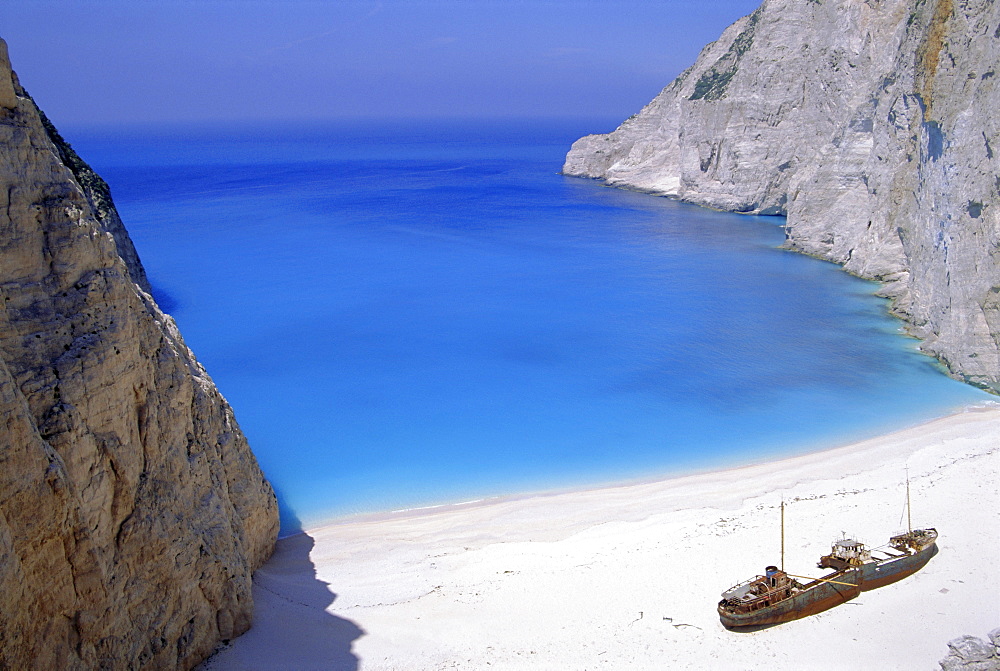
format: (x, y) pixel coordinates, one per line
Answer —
(166, 302)
(291, 626)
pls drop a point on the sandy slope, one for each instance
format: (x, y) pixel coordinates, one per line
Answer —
(629, 577)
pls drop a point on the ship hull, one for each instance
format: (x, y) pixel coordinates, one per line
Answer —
(813, 600)
(882, 573)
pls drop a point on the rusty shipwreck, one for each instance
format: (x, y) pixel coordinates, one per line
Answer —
(777, 596)
(904, 555)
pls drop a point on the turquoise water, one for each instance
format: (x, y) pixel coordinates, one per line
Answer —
(414, 314)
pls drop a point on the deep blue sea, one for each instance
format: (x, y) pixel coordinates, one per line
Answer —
(406, 314)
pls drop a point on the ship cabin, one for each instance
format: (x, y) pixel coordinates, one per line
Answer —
(845, 553)
(759, 592)
(914, 540)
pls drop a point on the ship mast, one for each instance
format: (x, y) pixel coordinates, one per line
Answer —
(782, 534)
(909, 522)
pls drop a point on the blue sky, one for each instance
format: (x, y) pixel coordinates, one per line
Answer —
(112, 61)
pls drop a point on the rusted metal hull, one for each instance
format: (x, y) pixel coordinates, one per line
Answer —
(885, 572)
(816, 598)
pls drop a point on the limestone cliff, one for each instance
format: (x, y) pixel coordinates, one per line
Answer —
(132, 512)
(871, 124)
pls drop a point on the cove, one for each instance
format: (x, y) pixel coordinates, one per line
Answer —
(410, 314)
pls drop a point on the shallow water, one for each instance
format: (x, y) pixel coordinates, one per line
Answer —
(403, 315)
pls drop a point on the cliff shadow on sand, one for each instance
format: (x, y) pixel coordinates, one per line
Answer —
(291, 626)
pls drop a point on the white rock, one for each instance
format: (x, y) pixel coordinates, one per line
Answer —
(872, 126)
(132, 512)
(995, 639)
(971, 649)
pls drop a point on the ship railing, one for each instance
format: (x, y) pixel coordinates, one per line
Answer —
(745, 583)
(742, 595)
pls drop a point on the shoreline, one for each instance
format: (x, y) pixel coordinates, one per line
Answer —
(648, 481)
(629, 576)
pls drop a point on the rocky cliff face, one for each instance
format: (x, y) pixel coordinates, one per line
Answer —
(132, 512)
(871, 124)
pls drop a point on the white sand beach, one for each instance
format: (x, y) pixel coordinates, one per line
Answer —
(629, 577)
